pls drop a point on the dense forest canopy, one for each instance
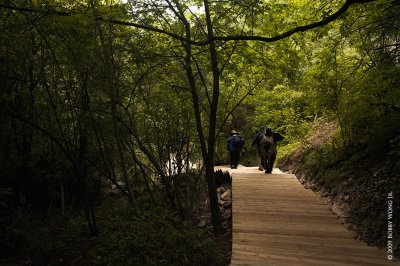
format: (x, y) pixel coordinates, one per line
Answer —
(138, 94)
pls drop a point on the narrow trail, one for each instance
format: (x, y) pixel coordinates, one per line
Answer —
(276, 221)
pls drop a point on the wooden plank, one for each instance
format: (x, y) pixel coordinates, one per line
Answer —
(306, 240)
(322, 255)
(278, 222)
(272, 259)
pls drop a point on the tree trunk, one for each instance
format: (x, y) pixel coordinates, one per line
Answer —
(114, 93)
(207, 154)
(209, 161)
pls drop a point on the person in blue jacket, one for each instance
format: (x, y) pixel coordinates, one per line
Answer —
(235, 146)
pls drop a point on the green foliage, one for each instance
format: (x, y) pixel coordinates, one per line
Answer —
(283, 110)
(328, 172)
(152, 239)
(155, 238)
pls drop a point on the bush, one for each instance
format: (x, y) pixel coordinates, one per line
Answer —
(152, 238)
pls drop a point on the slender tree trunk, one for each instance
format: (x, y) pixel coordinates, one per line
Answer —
(207, 153)
(131, 196)
(62, 199)
(145, 176)
(209, 161)
(112, 86)
(208, 156)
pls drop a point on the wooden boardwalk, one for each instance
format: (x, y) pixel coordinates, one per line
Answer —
(276, 221)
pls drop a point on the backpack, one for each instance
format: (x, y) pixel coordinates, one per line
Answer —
(277, 137)
(237, 143)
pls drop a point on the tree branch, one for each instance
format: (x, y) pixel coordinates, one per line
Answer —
(284, 35)
(47, 11)
(237, 105)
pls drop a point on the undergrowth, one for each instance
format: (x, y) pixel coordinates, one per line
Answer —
(152, 238)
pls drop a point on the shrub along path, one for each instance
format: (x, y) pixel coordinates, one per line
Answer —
(276, 221)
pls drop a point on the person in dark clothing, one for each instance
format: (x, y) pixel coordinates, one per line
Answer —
(255, 144)
(235, 146)
(267, 131)
(258, 136)
(264, 131)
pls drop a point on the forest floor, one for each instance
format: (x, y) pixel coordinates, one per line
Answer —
(202, 218)
(355, 187)
(153, 238)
